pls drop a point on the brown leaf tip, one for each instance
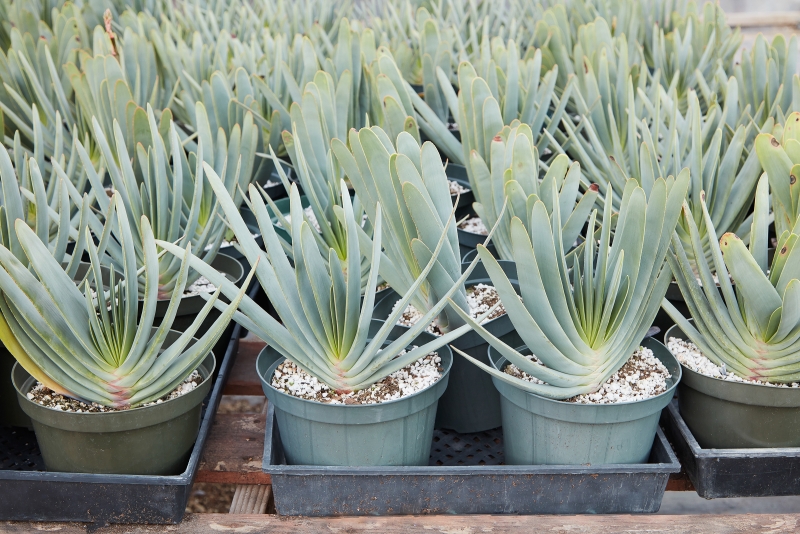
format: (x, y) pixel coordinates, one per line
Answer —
(594, 187)
(497, 139)
(774, 142)
(612, 158)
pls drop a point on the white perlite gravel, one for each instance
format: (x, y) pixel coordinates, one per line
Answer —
(201, 285)
(456, 188)
(415, 377)
(643, 376)
(271, 183)
(480, 298)
(46, 397)
(474, 225)
(689, 355)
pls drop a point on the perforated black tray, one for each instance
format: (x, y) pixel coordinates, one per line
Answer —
(29, 493)
(466, 475)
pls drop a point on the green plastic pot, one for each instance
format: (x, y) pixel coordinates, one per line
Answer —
(391, 433)
(471, 402)
(151, 440)
(734, 415)
(541, 431)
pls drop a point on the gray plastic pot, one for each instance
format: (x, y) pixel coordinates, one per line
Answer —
(151, 440)
(391, 433)
(468, 241)
(189, 307)
(473, 253)
(541, 431)
(471, 403)
(252, 225)
(458, 173)
(267, 172)
(734, 415)
(284, 206)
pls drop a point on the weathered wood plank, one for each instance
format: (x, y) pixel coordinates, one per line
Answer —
(234, 450)
(243, 379)
(253, 524)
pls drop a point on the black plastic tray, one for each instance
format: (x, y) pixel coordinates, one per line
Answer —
(28, 493)
(466, 476)
(718, 473)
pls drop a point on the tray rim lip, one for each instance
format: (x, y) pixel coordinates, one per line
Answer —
(699, 453)
(461, 471)
(183, 479)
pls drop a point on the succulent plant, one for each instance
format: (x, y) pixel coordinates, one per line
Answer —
(409, 184)
(398, 108)
(512, 176)
(25, 198)
(92, 345)
(171, 190)
(749, 328)
(483, 110)
(689, 53)
(32, 75)
(584, 325)
(768, 80)
(325, 323)
(318, 118)
(779, 155)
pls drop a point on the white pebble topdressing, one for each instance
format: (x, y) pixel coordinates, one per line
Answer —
(642, 377)
(411, 379)
(474, 225)
(201, 285)
(44, 396)
(690, 356)
(480, 298)
(456, 188)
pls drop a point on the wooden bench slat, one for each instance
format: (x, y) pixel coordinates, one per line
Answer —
(234, 450)
(243, 379)
(475, 524)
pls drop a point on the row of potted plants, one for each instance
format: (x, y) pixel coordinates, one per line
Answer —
(607, 163)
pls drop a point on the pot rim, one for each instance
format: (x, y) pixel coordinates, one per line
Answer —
(727, 383)
(282, 358)
(669, 391)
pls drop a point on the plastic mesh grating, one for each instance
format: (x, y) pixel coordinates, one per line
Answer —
(478, 448)
(19, 450)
